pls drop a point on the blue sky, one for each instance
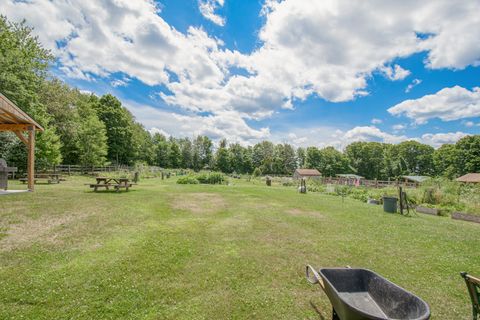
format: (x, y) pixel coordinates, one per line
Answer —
(306, 72)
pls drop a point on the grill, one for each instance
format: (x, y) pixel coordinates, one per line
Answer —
(4, 171)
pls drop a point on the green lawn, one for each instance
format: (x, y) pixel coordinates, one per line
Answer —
(169, 251)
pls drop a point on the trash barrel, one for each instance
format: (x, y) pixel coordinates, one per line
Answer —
(390, 204)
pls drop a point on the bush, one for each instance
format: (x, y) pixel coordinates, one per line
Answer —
(203, 178)
(257, 172)
(188, 180)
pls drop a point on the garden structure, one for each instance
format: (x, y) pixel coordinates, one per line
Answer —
(306, 173)
(13, 119)
(470, 178)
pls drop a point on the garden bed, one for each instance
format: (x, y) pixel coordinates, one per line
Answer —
(426, 210)
(466, 217)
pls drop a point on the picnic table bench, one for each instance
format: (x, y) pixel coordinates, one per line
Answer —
(116, 183)
(48, 177)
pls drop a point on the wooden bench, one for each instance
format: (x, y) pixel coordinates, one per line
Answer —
(35, 180)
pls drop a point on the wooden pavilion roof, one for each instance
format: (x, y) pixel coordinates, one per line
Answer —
(470, 178)
(12, 118)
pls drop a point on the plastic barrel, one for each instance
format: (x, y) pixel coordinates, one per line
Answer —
(390, 204)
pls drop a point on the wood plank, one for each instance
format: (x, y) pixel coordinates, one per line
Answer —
(10, 108)
(31, 158)
(21, 137)
(13, 127)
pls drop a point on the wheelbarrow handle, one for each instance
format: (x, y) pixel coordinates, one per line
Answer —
(316, 277)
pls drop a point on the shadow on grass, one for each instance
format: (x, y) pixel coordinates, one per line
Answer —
(320, 315)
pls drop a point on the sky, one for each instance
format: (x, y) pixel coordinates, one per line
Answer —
(305, 72)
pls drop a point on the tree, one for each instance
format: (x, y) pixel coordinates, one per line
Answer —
(236, 155)
(468, 154)
(222, 159)
(284, 159)
(174, 155)
(328, 161)
(202, 153)
(262, 156)
(413, 157)
(445, 161)
(23, 68)
(186, 150)
(119, 125)
(366, 158)
(92, 138)
(161, 148)
(301, 154)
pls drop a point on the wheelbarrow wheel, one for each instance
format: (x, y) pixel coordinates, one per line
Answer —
(334, 315)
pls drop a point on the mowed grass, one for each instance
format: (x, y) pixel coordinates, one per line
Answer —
(169, 251)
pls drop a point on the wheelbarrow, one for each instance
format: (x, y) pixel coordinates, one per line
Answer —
(360, 294)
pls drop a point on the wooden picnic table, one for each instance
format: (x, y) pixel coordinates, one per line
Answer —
(49, 177)
(116, 183)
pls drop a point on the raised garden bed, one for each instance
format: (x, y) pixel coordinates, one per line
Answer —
(432, 211)
(466, 217)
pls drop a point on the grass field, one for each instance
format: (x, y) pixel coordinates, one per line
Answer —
(169, 251)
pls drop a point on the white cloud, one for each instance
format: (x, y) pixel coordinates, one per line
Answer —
(207, 9)
(447, 104)
(325, 136)
(376, 121)
(329, 136)
(437, 139)
(469, 124)
(306, 48)
(395, 73)
(398, 127)
(414, 83)
(120, 82)
(223, 125)
(156, 130)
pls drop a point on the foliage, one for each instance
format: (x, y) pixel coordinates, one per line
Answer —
(222, 158)
(211, 178)
(257, 172)
(85, 129)
(188, 180)
(203, 178)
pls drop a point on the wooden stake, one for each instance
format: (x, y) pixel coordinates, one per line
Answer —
(31, 158)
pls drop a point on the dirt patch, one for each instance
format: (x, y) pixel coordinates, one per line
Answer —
(199, 203)
(305, 213)
(43, 229)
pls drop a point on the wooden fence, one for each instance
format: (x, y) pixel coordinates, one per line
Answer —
(77, 169)
(369, 183)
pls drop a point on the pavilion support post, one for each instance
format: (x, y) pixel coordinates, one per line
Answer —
(31, 158)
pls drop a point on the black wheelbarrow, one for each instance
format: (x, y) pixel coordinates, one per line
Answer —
(360, 294)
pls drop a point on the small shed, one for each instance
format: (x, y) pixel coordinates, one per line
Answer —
(415, 179)
(13, 119)
(306, 173)
(470, 178)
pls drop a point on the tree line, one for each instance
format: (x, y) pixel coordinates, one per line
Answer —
(85, 129)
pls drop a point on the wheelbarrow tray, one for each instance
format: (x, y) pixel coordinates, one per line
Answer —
(358, 294)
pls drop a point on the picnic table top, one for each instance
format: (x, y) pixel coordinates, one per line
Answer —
(106, 180)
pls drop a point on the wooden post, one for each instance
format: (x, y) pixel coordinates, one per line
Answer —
(31, 158)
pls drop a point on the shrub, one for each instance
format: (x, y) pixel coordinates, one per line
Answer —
(257, 172)
(203, 178)
(188, 180)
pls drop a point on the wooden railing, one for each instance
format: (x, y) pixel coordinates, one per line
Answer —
(369, 183)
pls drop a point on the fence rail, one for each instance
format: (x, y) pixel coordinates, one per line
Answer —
(370, 183)
(77, 169)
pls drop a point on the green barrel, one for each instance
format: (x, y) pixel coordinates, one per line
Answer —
(390, 204)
